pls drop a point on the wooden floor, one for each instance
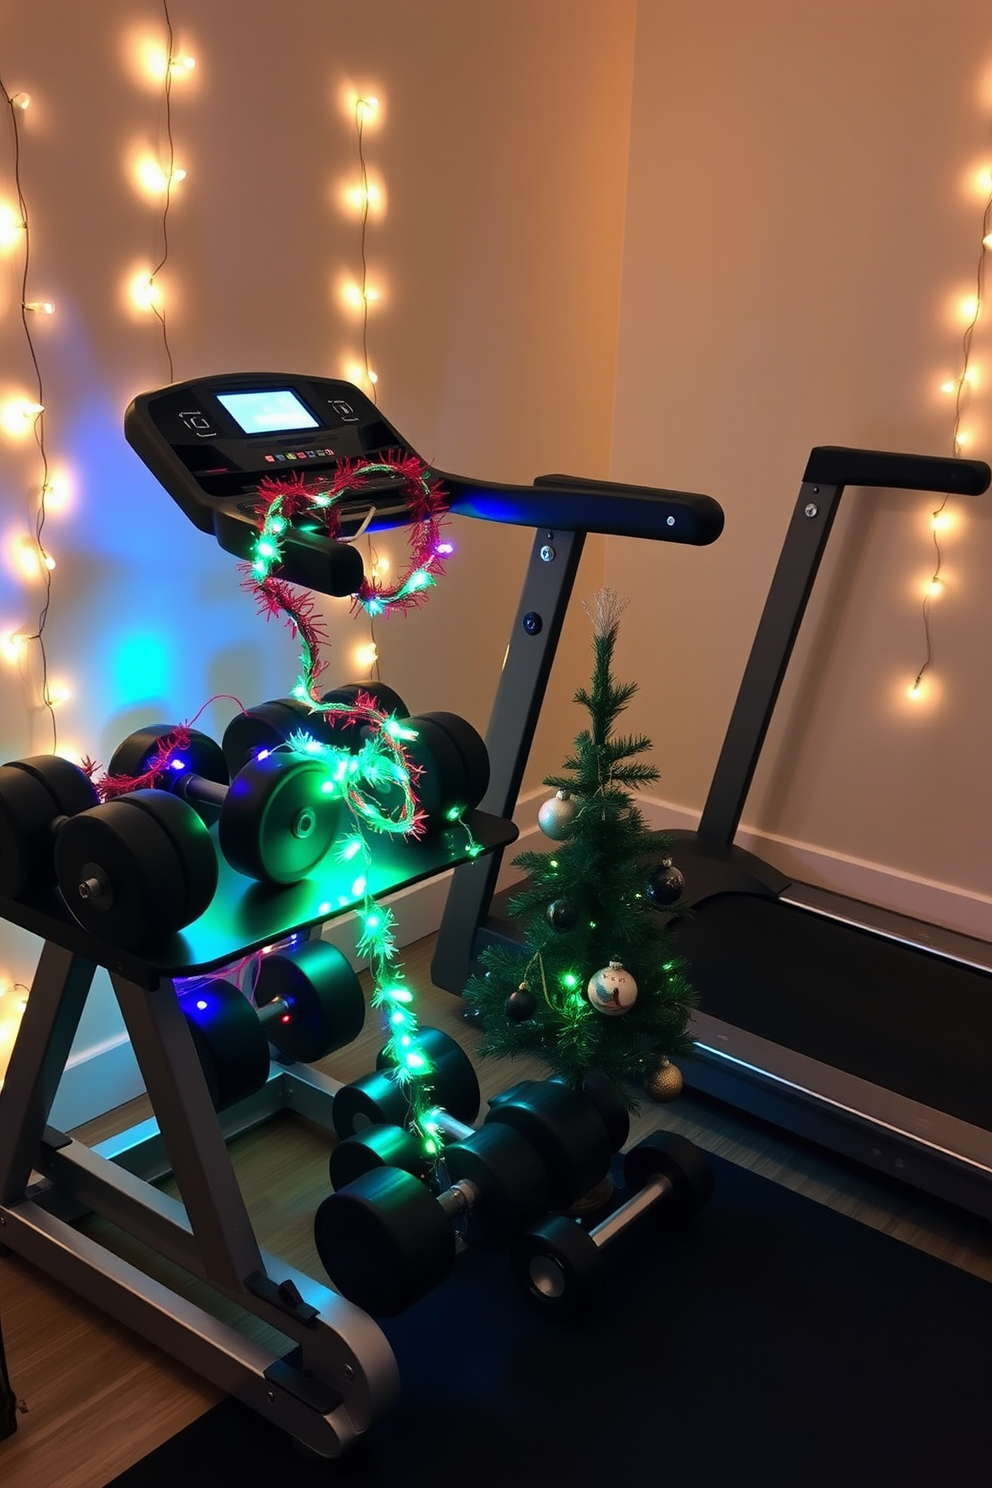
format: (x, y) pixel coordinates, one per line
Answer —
(97, 1398)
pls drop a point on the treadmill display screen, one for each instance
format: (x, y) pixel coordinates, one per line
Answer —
(268, 411)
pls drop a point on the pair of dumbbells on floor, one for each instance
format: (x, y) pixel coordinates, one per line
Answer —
(387, 1236)
(137, 868)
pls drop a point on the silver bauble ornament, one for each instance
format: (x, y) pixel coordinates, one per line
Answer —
(612, 990)
(557, 816)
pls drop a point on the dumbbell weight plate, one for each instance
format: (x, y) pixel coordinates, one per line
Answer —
(558, 1265)
(262, 729)
(379, 1099)
(278, 821)
(153, 854)
(384, 698)
(384, 1241)
(202, 756)
(677, 1159)
(454, 1082)
(472, 752)
(567, 1130)
(34, 794)
(511, 1181)
(328, 1004)
(230, 1042)
(376, 1147)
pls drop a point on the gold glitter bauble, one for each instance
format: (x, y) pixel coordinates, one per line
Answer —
(665, 1083)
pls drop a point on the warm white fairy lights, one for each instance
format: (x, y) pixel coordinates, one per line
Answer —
(960, 387)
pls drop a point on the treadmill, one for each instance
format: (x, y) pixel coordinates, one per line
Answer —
(815, 1010)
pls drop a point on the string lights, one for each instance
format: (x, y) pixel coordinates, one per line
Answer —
(157, 179)
(24, 415)
(960, 388)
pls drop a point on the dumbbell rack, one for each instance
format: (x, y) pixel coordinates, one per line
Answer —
(336, 1373)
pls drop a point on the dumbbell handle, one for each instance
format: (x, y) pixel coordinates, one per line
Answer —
(657, 1187)
(458, 1199)
(199, 788)
(279, 1010)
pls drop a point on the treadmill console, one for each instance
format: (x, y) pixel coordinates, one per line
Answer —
(213, 440)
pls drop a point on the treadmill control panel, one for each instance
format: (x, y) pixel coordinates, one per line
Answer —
(211, 441)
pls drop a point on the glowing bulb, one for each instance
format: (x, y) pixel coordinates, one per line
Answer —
(983, 180)
(961, 439)
(941, 521)
(366, 108)
(934, 587)
(987, 241)
(40, 307)
(58, 693)
(915, 691)
(365, 197)
(18, 415)
(968, 308)
(144, 291)
(366, 656)
(13, 645)
(11, 225)
(180, 66)
(21, 101)
(152, 178)
(55, 493)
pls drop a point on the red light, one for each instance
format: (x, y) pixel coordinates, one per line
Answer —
(286, 1018)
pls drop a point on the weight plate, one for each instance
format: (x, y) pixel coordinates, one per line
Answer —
(191, 842)
(472, 750)
(383, 1241)
(376, 1147)
(454, 1083)
(34, 794)
(278, 820)
(558, 1265)
(352, 737)
(265, 727)
(202, 756)
(567, 1130)
(326, 997)
(230, 1042)
(135, 891)
(510, 1182)
(680, 1161)
(376, 1099)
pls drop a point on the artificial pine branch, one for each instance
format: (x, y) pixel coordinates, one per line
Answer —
(584, 904)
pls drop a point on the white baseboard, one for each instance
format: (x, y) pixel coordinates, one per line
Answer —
(958, 909)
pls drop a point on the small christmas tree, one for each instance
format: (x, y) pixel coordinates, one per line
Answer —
(597, 984)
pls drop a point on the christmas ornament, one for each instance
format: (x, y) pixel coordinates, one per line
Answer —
(556, 816)
(562, 914)
(666, 884)
(665, 1083)
(612, 989)
(520, 1005)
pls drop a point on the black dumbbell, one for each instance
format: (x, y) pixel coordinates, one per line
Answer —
(143, 865)
(386, 1244)
(269, 726)
(307, 1003)
(560, 1265)
(36, 796)
(382, 1099)
(385, 1240)
(157, 850)
(277, 817)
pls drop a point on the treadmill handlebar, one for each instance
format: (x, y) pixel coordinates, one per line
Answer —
(835, 465)
(574, 504)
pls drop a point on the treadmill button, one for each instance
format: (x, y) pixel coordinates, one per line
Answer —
(199, 423)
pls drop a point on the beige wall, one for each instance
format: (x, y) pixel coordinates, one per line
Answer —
(802, 219)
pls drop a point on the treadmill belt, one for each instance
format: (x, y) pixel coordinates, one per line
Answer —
(900, 1018)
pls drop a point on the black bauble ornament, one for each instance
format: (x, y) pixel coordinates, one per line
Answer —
(562, 914)
(520, 1005)
(666, 884)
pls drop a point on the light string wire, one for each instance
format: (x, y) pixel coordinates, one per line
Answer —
(171, 149)
(361, 104)
(962, 388)
(38, 635)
